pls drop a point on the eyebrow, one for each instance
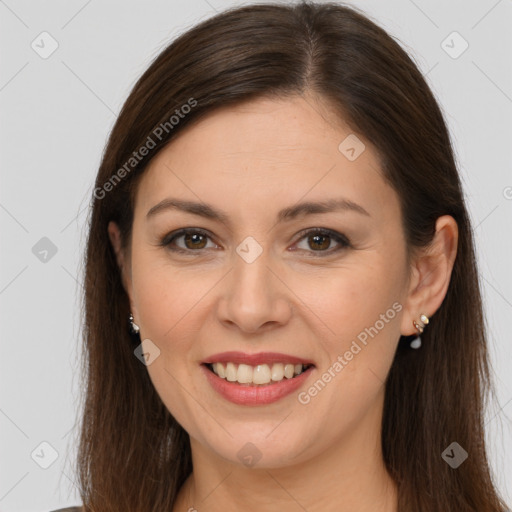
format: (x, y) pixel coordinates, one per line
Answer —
(286, 214)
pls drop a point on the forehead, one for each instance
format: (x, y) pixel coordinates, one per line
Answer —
(263, 152)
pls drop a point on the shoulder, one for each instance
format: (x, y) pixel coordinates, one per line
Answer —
(68, 509)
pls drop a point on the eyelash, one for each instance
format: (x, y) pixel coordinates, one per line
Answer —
(337, 237)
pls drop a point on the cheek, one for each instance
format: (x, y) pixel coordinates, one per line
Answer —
(346, 301)
(361, 309)
(166, 296)
(358, 318)
(168, 304)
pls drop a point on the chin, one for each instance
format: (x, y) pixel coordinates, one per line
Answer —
(261, 451)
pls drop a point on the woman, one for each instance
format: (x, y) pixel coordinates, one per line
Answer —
(282, 309)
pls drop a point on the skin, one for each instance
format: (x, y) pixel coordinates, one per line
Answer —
(251, 161)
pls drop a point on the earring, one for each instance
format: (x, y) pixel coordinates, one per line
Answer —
(416, 342)
(134, 326)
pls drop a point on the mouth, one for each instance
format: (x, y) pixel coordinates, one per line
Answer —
(256, 379)
(257, 375)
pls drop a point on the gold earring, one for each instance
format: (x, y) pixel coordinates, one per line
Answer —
(419, 326)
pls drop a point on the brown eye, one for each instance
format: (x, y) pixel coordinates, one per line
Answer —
(194, 240)
(321, 240)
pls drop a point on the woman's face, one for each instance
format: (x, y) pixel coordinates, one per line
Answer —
(269, 276)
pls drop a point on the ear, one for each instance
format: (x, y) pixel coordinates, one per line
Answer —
(123, 263)
(431, 273)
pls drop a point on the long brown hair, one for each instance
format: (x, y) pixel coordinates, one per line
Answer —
(133, 455)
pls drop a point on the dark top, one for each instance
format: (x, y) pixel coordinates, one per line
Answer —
(69, 509)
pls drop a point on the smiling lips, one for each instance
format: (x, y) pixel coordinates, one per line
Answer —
(255, 379)
(256, 359)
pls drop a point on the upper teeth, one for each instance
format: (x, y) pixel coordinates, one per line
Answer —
(260, 374)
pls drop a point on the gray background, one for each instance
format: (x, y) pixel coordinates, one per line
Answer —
(56, 115)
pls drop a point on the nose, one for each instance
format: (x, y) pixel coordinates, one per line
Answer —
(254, 297)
